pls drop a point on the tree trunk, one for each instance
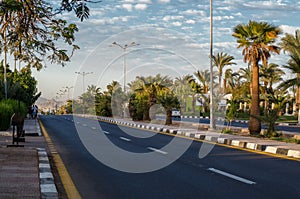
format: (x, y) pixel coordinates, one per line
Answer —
(193, 103)
(254, 123)
(168, 117)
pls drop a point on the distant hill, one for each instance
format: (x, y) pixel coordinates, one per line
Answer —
(48, 104)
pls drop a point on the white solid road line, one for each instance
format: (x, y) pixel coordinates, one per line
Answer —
(126, 139)
(231, 176)
(157, 150)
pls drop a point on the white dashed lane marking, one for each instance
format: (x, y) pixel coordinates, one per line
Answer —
(157, 150)
(231, 176)
(125, 139)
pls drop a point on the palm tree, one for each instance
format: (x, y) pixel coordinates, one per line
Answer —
(293, 66)
(183, 89)
(256, 39)
(221, 60)
(269, 75)
(291, 44)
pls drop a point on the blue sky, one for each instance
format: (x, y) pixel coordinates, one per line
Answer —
(173, 38)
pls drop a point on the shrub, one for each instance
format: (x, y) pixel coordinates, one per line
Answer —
(7, 109)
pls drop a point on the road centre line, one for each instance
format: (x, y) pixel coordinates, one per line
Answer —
(157, 150)
(126, 139)
(231, 176)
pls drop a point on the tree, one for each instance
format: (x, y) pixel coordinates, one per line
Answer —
(269, 75)
(30, 31)
(220, 61)
(78, 6)
(89, 99)
(168, 100)
(293, 66)
(182, 89)
(291, 44)
(256, 39)
(21, 86)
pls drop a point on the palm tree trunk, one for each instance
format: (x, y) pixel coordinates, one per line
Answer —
(193, 103)
(168, 117)
(254, 123)
(298, 96)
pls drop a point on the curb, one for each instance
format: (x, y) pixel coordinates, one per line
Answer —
(47, 184)
(215, 139)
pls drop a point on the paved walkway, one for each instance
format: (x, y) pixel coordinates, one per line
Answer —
(25, 171)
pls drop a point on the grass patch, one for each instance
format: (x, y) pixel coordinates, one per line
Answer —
(287, 140)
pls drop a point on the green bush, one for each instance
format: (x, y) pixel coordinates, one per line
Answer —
(7, 109)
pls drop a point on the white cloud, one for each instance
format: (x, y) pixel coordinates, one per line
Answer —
(140, 6)
(190, 21)
(289, 29)
(145, 1)
(127, 6)
(169, 17)
(218, 18)
(177, 23)
(164, 1)
(194, 12)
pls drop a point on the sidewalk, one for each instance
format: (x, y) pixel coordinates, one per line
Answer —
(257, 144)
(25, 171)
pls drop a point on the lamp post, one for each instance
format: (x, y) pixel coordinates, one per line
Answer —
(68, 90)
(83, 75)
(124, 47)
(211, 124)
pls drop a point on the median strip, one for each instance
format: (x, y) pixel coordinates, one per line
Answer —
(231, 176)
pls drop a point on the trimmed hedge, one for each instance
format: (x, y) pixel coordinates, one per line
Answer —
(7, 109)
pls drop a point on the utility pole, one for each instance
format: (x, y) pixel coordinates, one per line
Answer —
(212, 119)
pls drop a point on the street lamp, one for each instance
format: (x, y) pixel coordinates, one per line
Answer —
(68, 90)
(211, 124)
(83, 75)
(124, 47)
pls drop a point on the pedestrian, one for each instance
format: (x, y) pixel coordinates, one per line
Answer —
(34, 111)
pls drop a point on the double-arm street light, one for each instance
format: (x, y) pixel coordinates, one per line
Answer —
(68, 90)
(124, 47)
(83, 75)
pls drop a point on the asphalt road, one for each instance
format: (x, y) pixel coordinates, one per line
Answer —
(223, 173)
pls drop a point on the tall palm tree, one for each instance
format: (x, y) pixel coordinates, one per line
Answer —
(256, 39)
(221, 60)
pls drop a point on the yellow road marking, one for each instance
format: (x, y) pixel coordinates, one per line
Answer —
(65, 177)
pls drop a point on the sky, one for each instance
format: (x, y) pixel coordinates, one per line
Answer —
(172, 37)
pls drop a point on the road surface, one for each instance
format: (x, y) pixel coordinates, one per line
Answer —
(223, 173)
